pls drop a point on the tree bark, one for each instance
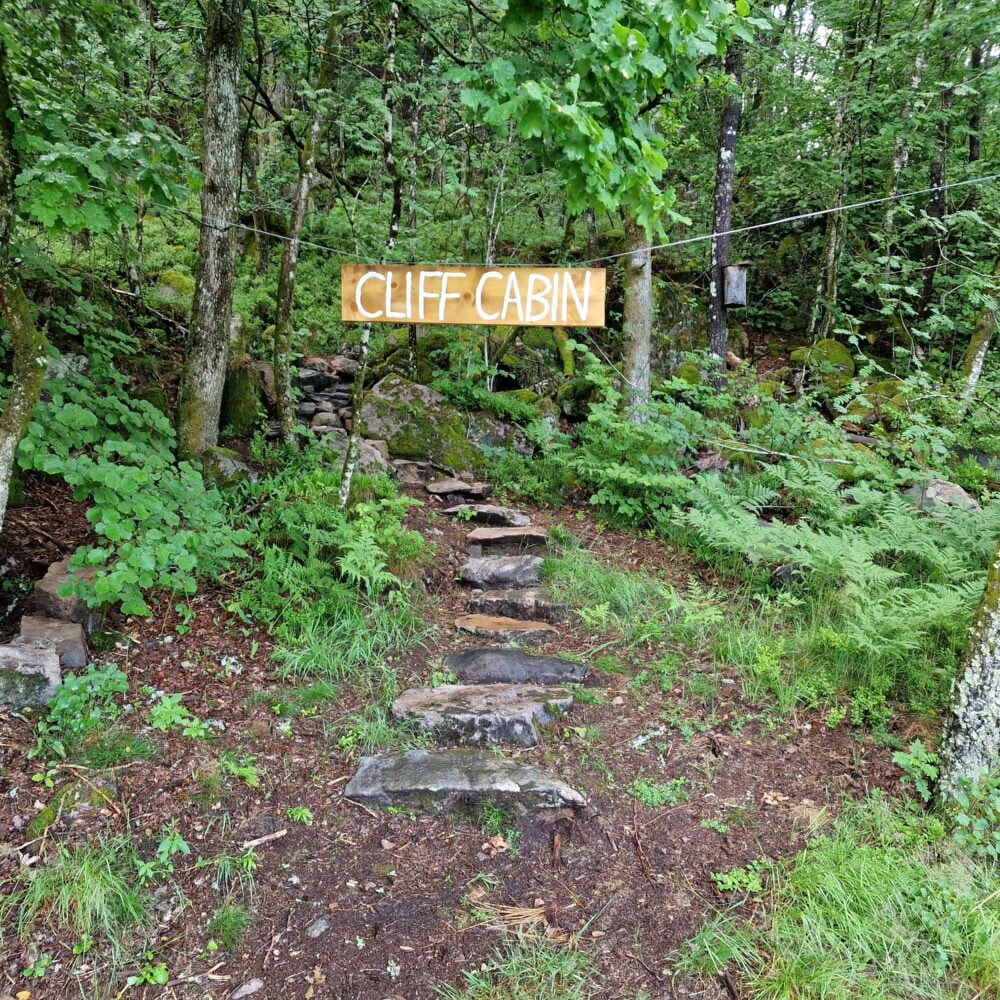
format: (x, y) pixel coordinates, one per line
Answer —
(285, 300)
(637, 325)
(392, 168)
(970, 747)
(725, 172)
(208, 346)
(27, 342)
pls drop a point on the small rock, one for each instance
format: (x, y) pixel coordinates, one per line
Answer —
(306, 409)
(408, 471)
(318, 927)
(382, 447)
(506, 629)
(940, 493)
(248, 989)
(325, 420)
(501, 572)
(67, 637)
(457, 490)
(324, 407)
(71, 609)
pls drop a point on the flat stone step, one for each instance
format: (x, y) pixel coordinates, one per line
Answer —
(457, 491)
(488, 513)
(507, 541)
(67, 637)
(504, 629)
(501, 572)
(445, 779)
(519, 603)
(482, 715)
(508, 665)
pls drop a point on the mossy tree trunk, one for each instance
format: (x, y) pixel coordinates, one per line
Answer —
(971, 744)
(208, 345)
(282, 344)
(637, 325)
(28, 345)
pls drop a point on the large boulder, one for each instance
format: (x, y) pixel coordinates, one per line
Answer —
(418, 423)
(29, 673)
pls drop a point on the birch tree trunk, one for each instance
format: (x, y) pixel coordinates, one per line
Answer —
(393, 170)
(285, 300)
(970, 747)
(208, 346)
(982, 334)
(27, 343)
(637, 325)
(725, 172)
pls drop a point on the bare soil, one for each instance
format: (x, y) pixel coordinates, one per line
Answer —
(410, 900)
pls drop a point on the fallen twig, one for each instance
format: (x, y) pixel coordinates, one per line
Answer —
(277, 835)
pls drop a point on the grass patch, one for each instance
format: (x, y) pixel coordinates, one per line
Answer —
(884, 907)
(84, 893)
(228, 925)
(632, 606)
(527, 970)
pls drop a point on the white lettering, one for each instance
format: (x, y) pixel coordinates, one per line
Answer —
(488, 276)
(537, 295)
(422, 294)
(445, 294)
(512, 296)
(569, 288)
(357, 294)
(389, 314)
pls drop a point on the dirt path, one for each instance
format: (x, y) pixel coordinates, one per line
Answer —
(375, 904)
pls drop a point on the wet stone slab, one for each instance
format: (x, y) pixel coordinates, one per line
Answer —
(501, 572)
(488, 513)
(507, 665)
(507, 541)
(518, 603)
(502, 629)
(447, 779)
(482, 715)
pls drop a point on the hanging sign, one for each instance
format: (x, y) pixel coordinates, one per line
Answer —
(473, 296)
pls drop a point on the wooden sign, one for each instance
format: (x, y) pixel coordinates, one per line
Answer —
(473, 296)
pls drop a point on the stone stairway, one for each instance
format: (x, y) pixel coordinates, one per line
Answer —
(502, 695)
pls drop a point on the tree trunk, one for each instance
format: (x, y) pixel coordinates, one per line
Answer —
(970, 747)
(975, 354)
(725, 172)
(637, 325)
(208, 346)
(391, 164)
(935, 211)
(282, 343)
(27, 343)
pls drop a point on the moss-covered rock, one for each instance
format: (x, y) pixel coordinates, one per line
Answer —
(226, 468)
(173, 292)
(879, 401)
(689, 373)
(15, 495)
(827, 356)
(575, 396)
(395, 354)
(417, 423)
(155, 396)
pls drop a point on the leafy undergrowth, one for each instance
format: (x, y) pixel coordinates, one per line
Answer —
(884, 905)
